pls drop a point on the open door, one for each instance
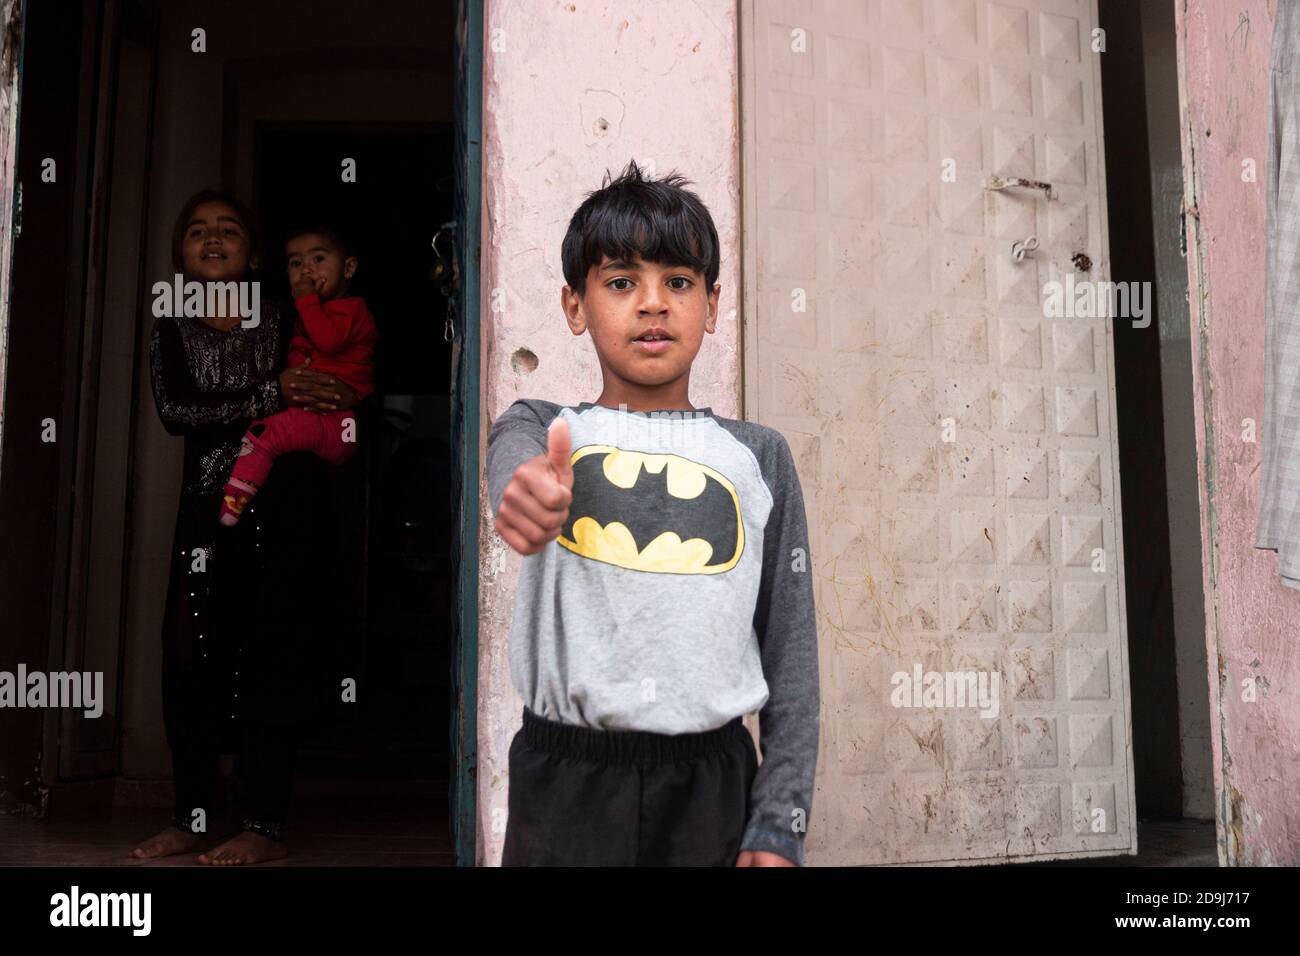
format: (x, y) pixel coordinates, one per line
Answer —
(957, 448)
(70, 330)
(108, 297)
(20, 744)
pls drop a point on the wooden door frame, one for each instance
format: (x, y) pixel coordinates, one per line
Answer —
(467, 424)
(13, 17)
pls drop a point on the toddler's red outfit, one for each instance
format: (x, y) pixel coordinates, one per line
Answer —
(339, 338)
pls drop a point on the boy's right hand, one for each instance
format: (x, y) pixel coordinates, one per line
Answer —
(535, 504)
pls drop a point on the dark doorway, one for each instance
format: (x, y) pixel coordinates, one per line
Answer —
(395, 521)
(1156, 433)
(377, 783)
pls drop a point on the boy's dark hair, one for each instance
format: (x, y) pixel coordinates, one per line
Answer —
(335, 235)
(245, 214)
(658, 219)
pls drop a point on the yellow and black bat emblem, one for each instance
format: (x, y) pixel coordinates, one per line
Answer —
(649, 512)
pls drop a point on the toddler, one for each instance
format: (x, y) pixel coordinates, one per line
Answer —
(335, 334)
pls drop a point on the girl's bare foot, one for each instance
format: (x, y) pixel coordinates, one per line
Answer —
(171, 841)
(246, 847)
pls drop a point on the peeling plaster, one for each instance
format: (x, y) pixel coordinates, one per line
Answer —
(1251, 619)
(637, 85)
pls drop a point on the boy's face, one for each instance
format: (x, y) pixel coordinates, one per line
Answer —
(646, 319)
(317, 265)
(216, 247)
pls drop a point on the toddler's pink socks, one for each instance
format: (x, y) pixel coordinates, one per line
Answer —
(234, 499)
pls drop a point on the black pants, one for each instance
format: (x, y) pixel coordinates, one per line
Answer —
(265, 768)
(584, 797)
(250, 640)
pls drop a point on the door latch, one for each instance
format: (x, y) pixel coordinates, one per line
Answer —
(1016, 182)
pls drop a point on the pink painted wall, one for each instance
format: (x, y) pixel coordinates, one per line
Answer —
(1252, 621)
(572, 89)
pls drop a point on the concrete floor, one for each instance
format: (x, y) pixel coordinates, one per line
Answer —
(1164, 843)
(404, 823)
(334, 822)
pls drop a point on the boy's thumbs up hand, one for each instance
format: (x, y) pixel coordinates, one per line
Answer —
(535, 504)
(558, 451)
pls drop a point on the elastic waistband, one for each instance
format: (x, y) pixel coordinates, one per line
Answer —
(625, 746)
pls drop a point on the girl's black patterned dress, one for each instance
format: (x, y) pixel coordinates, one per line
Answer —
(247, 613)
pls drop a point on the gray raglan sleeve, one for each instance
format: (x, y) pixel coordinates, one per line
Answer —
(786, 622)
(519, 433)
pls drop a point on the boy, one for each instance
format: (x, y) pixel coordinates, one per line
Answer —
(336, 334)
(665, 590)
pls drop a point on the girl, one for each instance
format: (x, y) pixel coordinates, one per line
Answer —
(247, 606)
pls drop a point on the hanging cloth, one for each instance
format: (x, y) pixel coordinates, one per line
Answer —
(1279, 498)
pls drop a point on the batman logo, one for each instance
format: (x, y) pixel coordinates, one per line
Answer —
(647, 512)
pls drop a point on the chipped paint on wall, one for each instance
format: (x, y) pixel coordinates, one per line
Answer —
(1251, 619)
(569, 91)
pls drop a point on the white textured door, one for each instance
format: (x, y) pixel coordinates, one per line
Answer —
(957, 449)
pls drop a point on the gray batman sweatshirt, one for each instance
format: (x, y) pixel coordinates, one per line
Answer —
(678, 594)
